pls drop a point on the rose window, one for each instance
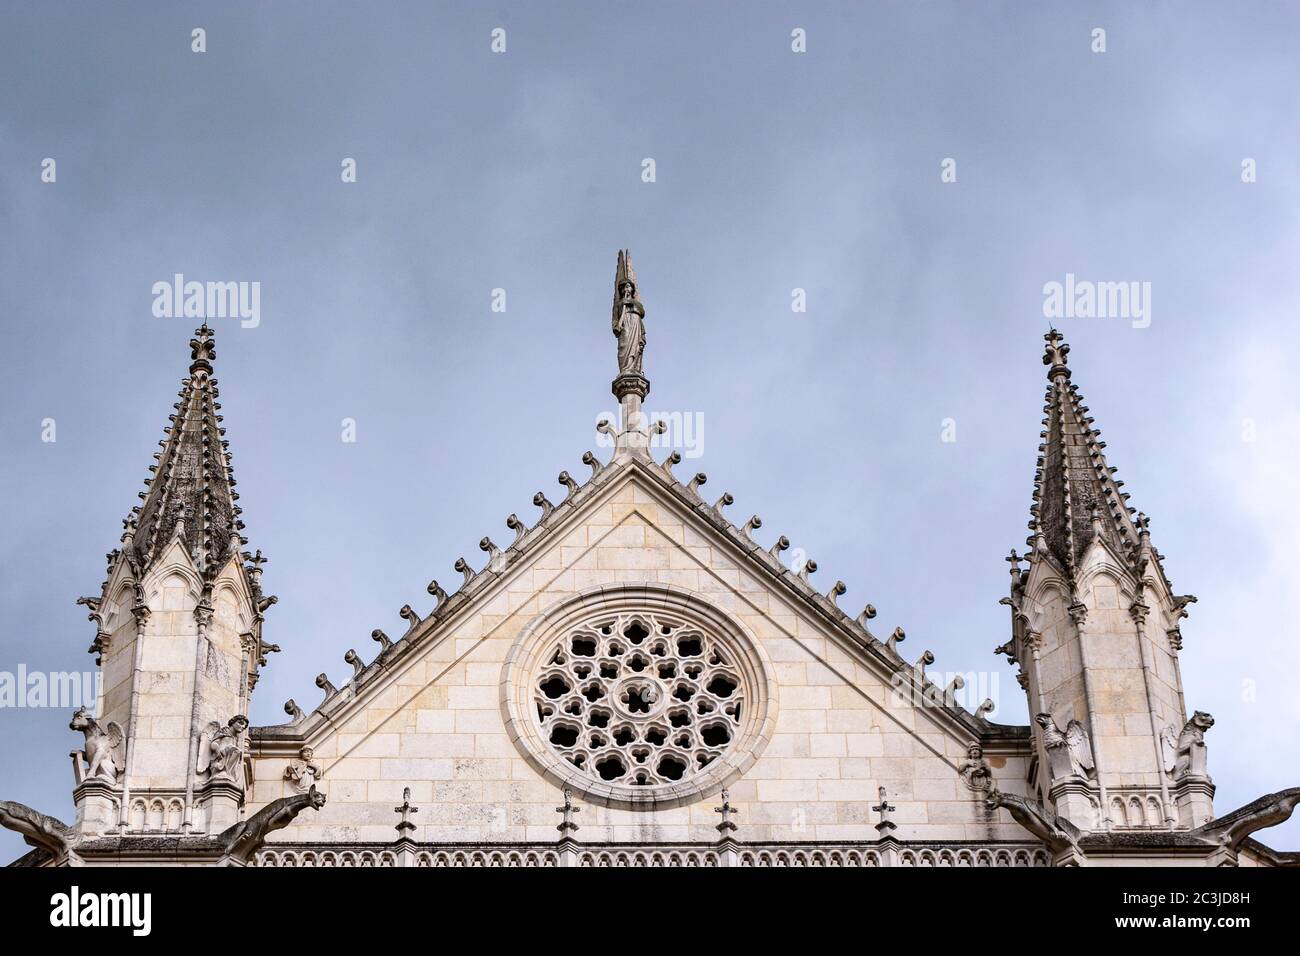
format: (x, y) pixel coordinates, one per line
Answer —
(638, 705)
(639, 698)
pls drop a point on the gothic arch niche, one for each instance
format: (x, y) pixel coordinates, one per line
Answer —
(640, 697)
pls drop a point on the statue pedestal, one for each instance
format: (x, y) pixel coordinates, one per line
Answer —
(221, 800)
(1074, 801)
(631, 383)
(1194, 797)
(98, 806)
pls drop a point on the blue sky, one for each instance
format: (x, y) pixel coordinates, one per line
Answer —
(774, 171)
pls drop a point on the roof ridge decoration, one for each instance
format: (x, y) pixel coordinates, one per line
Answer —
(632, 450)
(1077, 500)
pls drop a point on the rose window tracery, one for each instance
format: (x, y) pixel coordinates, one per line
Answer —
(637, 702)
(639, 698)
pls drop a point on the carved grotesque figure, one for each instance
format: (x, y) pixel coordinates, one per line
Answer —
(1070, 752)
(1189, 757)
(103, 750)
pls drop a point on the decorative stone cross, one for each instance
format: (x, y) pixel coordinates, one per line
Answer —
(405, 826)
(567, 825)
(726, 826)
(884, 808)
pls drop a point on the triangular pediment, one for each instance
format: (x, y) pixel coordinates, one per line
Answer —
(633, 530)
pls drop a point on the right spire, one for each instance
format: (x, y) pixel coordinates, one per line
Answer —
(1077, 499)
(1095, 633)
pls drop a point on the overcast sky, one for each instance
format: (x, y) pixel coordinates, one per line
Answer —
(774, 171)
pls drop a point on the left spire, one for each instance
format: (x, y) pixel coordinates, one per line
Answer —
(190, 492)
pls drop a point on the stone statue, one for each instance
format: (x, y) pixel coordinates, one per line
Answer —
(1072, 745)
(1190, 753)
(976, 771)
(37, 829)
(303, 773)
(246, 837)
(628, 317)
(221, 750)
(1058, 833)
(103, 751)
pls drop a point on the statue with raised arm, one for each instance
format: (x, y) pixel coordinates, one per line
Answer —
(628, 317)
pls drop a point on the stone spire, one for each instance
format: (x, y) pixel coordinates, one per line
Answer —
(1076, 496)
(191, 492)
(1095, 633)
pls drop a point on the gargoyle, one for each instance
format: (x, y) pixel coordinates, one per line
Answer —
(1058, 833)
(1268, 811)
(246, 837)
(39, 830)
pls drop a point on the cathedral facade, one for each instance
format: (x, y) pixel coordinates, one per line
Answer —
(629, 679)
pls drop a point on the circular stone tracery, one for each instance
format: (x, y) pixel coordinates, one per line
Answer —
(638, 702)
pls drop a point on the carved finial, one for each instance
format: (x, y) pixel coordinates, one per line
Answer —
(382, 638)
(202, 350)
(544, 503)
(986, 708)
(1014, 559)
(673, 458)
(567, 826)
(809, 567)
(1055, 354)
(323, 682)
(752, 525)
(568, 482)
(438, 593)
(837, 589)
(885, 809)
(463, 567)
(353, 658)
(926, 659)
(606, 427)
(896, 638)
(408, 615)
(517, 526)
(954, 685)
(726, 826)
(867, 614)
(694, 485)
(492, 551)
(405, 826)
(589, 459)
(293, 710)
(723, 502)
(782, 544)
